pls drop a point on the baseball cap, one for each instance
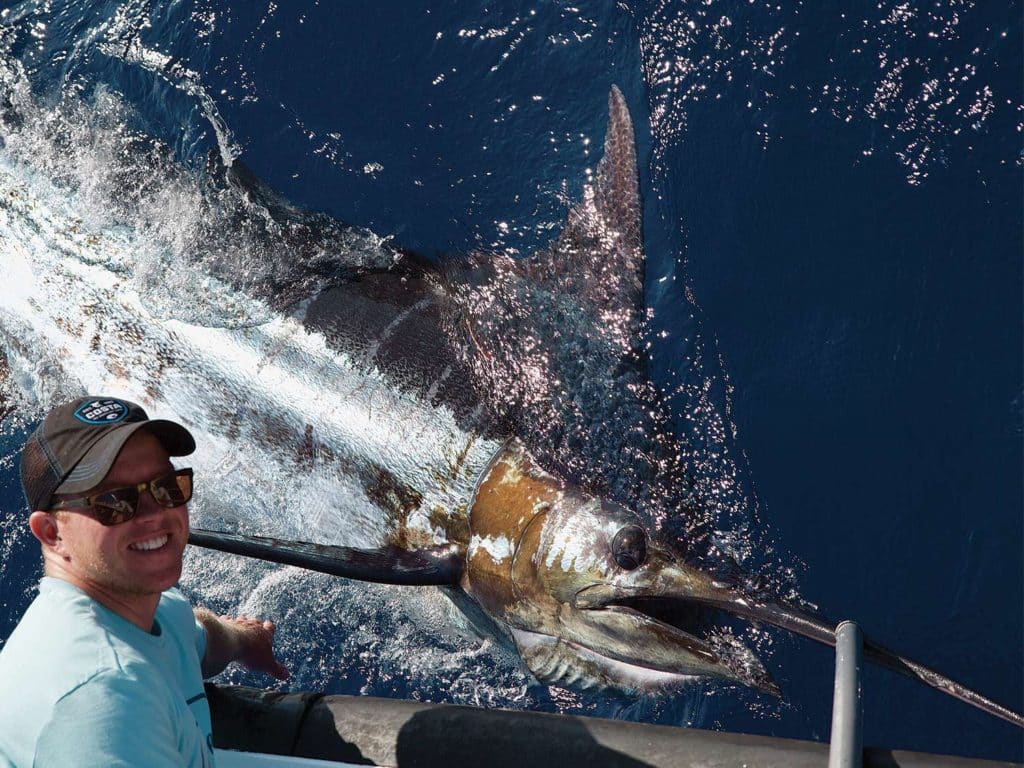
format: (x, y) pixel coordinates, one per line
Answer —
(78, 442)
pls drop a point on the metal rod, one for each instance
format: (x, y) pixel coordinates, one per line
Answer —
(846, 747)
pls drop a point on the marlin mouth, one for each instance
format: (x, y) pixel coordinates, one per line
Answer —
(674, 635)
(685, 615)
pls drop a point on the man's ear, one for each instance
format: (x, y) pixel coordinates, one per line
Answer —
(44, 527)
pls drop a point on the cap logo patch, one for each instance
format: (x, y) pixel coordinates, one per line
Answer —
(98, 412)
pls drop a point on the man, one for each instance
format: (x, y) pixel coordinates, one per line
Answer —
(106, 667)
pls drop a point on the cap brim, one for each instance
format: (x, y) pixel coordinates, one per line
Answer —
(97, 461)
(176, 440)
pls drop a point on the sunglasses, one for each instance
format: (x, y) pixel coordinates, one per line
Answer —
(118, 505)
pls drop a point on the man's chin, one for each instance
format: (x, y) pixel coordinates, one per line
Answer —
(154, 577)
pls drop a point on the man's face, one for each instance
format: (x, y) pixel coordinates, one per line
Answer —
(141, 556)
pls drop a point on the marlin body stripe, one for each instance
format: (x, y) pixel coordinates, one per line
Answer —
(261, 393)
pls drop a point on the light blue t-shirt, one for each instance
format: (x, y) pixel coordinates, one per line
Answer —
(82, 687)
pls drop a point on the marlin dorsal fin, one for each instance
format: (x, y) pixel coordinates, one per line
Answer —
(599, 256)
(617, 188)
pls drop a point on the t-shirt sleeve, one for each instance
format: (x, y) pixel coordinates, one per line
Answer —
(176, 607)
(109, 721)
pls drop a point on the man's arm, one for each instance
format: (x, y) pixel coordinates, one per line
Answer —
(247, 641)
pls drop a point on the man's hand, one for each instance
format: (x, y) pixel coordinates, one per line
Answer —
(247, 641)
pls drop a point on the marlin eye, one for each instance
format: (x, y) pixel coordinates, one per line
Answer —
(629, 547)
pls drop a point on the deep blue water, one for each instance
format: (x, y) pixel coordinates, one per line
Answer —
(839, 189)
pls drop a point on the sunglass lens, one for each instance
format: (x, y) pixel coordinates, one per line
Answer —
(181, 491)
(116, 506)
(173, 490)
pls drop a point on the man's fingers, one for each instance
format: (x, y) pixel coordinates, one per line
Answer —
(256, 645)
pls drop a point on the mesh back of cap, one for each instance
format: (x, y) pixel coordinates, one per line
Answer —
(38, 478)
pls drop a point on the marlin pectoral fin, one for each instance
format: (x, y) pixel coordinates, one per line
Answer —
(384, 565)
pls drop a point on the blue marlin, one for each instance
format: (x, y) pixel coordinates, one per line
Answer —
(486, 424)
(473, 416)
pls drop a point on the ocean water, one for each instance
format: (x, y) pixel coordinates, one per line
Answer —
(833, 229)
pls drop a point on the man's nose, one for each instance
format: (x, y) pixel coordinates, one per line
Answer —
(147, 504)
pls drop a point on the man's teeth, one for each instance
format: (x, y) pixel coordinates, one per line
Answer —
(156, 543)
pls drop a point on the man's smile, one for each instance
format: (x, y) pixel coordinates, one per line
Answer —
(150, 544)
